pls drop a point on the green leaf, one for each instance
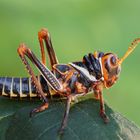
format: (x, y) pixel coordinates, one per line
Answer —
(84, 122)
(7, 109)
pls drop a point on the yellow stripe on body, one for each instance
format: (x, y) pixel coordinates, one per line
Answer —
(21, 94)
(11, 90)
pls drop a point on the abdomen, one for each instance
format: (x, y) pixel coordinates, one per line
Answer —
(21, 87)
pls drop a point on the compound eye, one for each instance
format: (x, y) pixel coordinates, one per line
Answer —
(113, 60)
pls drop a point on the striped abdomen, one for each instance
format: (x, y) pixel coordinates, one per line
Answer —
(21, 87)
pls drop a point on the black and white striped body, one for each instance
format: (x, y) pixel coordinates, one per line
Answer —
(86, 73)
(21, 87)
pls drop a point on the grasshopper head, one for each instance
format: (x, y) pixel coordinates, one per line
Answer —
(112, 65)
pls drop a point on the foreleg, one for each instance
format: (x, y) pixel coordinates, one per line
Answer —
(102, 108)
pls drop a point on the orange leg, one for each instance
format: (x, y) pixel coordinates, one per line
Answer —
(41, 108)
(96, 95)
(44, 35)
(102, 108)
(24, 51)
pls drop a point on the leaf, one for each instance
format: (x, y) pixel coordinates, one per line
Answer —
(7, 109)
(84, 122)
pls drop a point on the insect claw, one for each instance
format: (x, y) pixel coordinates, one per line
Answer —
(104, 117)
(32, 113)
(61, 131)
(39, 109)
(106, 120)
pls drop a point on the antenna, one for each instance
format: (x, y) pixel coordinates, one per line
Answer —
(130, 50)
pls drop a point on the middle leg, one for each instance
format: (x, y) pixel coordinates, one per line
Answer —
(70, 98)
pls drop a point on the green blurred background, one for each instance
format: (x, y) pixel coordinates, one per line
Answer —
(77, 27)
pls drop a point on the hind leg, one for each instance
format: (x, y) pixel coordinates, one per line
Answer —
(44, 36)
(24, 51)
(41, 108)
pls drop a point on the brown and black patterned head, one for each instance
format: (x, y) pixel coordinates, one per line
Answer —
(111, 69)
(111, 64)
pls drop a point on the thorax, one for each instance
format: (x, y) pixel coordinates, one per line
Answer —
(73, 80)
